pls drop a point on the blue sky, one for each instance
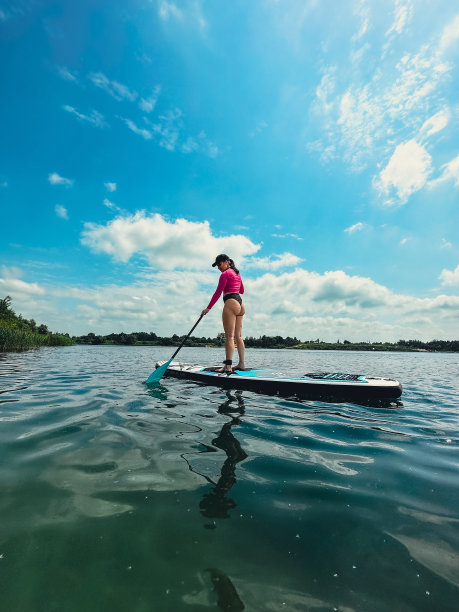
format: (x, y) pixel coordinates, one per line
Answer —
(316, 142)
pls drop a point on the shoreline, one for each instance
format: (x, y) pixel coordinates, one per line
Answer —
(358, 347)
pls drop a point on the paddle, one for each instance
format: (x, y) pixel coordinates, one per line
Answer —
(157, 374)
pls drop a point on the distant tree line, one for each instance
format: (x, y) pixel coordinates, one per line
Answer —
(152, 339)
(451, 346)
(18, 333)
(441, 346)
(270, 342)
(147, 339)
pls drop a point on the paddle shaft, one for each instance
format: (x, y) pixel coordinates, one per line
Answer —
(157, 374)
(187, 336)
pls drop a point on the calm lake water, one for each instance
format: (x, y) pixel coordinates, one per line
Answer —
(117, 497)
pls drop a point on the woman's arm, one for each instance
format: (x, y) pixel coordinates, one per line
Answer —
(221, 285)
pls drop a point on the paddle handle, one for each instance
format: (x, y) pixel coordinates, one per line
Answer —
(187, 336)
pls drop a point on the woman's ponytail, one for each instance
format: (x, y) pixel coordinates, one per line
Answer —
(232, 266)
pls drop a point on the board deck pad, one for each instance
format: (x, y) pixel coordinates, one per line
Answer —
(266, 373)
(334, 376)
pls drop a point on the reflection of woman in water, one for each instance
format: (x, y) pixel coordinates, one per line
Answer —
(230, 283)
(216, 503)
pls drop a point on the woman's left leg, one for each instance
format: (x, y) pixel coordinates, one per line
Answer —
(230, 311)
(239, 339)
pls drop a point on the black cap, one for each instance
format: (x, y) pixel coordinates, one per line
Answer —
(219, 259)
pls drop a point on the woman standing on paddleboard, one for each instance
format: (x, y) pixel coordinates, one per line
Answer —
(230, 284)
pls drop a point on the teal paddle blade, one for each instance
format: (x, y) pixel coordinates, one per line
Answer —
(157, 374)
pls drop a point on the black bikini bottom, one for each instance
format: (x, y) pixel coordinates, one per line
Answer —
(233, 296)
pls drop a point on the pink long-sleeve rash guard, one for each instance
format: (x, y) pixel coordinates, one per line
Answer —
(229, 282)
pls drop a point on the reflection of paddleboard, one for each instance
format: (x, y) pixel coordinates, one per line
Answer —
(313, 385)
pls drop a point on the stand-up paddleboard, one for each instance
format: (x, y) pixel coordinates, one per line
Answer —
(313, 385)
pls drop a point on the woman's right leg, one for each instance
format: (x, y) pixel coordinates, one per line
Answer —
(230, 310)
(239, 340)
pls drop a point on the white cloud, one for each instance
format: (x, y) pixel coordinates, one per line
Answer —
(403, 12)
(167, 10)
(335, 304)
(200, 144)
(61, 211)
(406, 172)
(274, 262)
(12, 285)
(449, 36)
(445, 244)
(450, 277)
(95, 117)
(450, 172)
(152, 305)
(322, 292)
(190, 145)
(115, 89)
(167, 131)
(111, 187)
(166, 245)
(190, 14)
(55, 179)
(435, 124)
(326, 89)
(211, 149)
(302, 303)
(287, 236)
(140, 131)
(148, 104)
(357, 227)
(359, 118)
(363, 12)
(111, 205)
(9, 272)
(67, 75)
(357, 55)
(168, 128)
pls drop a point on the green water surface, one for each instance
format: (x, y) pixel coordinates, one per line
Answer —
(116, 496)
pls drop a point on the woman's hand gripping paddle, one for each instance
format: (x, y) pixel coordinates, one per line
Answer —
(157, 374)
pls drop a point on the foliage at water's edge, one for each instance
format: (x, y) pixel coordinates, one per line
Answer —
(271, 342)
(19, 334)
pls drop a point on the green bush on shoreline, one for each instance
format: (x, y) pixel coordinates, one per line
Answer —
(19, 334)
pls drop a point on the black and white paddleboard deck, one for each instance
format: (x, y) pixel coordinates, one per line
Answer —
(313, 385)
